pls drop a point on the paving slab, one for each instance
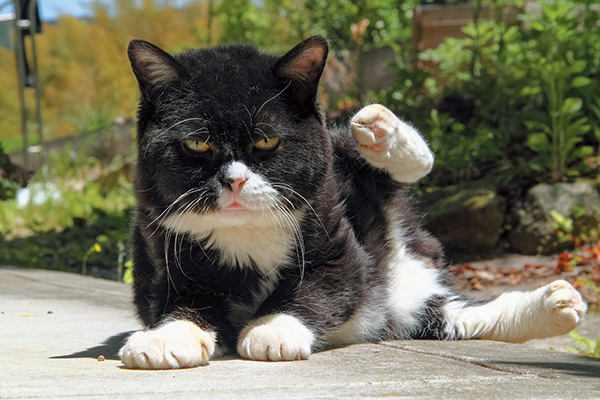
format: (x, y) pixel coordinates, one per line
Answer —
(54, 328)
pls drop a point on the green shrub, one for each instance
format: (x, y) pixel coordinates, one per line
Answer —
(535, 107)
(93, 206)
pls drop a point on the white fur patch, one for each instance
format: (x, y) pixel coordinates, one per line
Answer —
(277, 337)
(411, 282)
(388, 143)
(175, 344)
(263, 232)
(365, 326)
(554, 309)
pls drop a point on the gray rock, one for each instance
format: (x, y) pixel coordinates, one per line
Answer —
(535, 232)
(468, 219)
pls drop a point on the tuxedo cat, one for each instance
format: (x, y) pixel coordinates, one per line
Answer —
(260, 231)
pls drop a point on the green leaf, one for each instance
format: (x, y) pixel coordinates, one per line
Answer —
(564, 223)
(458, 127)
(538, 142)
(578, 211)
(577, 67)
(102, 239)
(578, 128)
(580, 81)
(531, 125)
(584, 151)
(570, 144)
(538, 26)
(128, 275)
(572, 105)
(530, 90)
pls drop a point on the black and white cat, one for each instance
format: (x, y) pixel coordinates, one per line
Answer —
(260, 231)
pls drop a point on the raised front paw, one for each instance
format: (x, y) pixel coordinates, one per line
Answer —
(176, 344)
(388, 143)
(277, 337)
(564, 306)
(373, 130)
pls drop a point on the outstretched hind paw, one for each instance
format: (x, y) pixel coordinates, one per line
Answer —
(564, 306)
(390, 144)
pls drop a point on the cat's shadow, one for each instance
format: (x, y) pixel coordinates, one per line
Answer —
(109, 349)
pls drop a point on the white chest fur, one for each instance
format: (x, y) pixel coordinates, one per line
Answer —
(264, 241)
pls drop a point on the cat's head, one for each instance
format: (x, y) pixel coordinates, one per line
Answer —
(229, 132)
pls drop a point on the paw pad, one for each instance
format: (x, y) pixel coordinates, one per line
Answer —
(565, 305)
(388, 143)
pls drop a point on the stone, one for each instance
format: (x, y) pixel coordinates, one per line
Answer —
(535, 233)
(465, 219)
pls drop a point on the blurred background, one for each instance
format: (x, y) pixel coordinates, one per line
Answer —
(506, 93)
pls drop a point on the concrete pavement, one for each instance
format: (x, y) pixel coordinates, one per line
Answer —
(55, 327)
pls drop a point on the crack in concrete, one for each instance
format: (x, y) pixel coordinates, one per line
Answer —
(470, 360)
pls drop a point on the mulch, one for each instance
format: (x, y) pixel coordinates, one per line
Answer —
(581, 268)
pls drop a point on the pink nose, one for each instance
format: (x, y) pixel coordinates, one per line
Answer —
(238, 184)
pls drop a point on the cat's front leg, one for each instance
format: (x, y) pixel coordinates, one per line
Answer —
(388, 143)
(176, 343)
(276, 337)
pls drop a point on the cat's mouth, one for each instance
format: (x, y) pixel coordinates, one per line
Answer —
(235, 206)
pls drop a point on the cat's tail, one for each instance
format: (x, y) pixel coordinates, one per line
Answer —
(516, 317)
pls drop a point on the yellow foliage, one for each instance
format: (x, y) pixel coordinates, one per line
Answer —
(85, 74)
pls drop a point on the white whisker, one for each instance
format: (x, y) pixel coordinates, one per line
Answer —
(163, 215)
(273, 98)
(287, 187)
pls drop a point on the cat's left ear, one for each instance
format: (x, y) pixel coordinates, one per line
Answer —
(153, 67)
(302, 67)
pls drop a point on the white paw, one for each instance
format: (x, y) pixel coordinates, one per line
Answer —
(277, 337)
(388, 143)
(564, 306)
(176, 344)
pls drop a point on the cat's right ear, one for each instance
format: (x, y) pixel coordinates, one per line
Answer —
(153, 67)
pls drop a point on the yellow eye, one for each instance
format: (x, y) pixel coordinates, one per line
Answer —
(197, 146)
(267, 144)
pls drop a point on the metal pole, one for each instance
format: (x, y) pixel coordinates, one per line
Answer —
(38, 91)
(20, 56)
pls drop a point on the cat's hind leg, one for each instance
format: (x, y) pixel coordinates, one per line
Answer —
(516, 317)
(388, 143)
(174, 344)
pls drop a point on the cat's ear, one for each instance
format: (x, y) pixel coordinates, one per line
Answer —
(302, 67)
(153, 67)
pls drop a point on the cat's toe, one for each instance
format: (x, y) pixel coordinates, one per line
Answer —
(372, 128)
(277, 337)
(388, 143)
(564, 306)
(177, 344)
